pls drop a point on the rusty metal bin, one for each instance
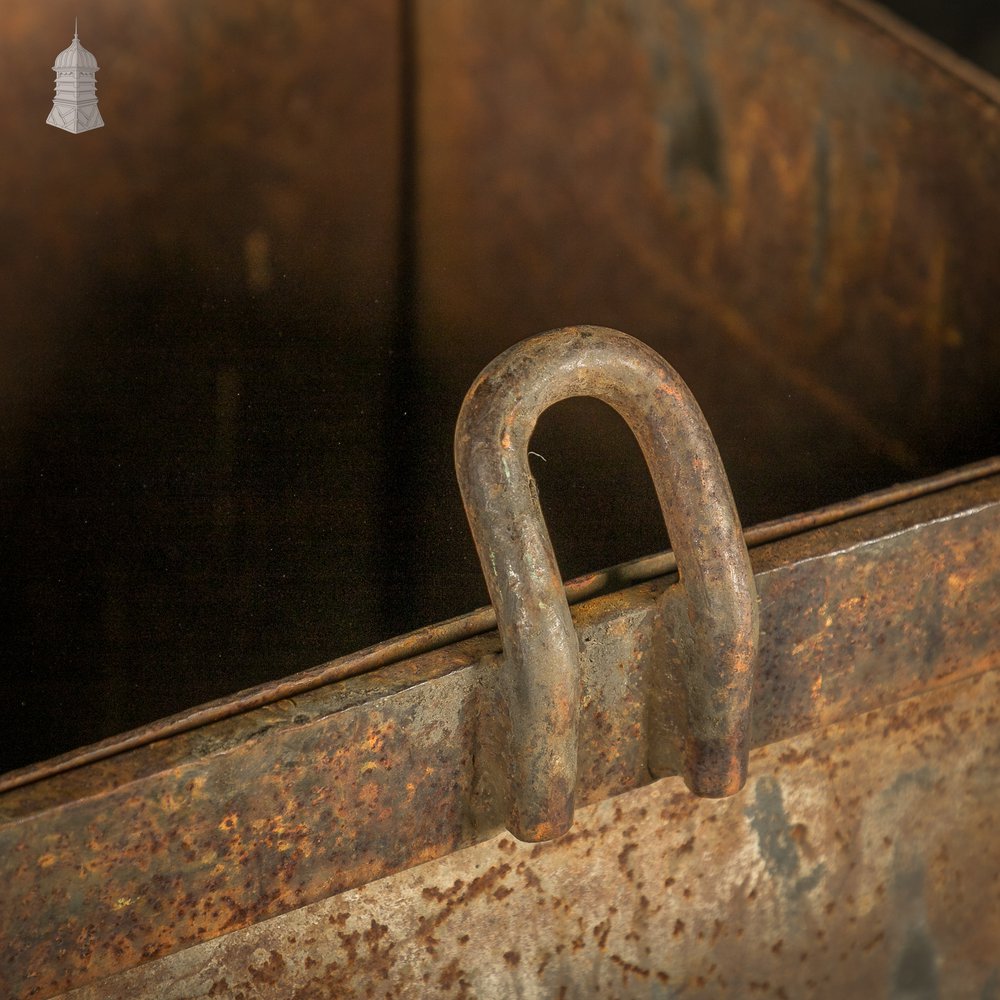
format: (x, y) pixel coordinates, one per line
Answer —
(794, 204)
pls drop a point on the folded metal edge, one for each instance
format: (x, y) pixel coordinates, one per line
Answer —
(474, 623)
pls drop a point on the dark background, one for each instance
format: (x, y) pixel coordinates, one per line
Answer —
(230, 370)
(970, 27)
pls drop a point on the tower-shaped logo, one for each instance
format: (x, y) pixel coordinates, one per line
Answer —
(75, 104)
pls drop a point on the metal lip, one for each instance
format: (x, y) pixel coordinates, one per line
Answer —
(475, 623)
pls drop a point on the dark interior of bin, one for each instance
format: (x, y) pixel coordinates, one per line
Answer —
(240, 319)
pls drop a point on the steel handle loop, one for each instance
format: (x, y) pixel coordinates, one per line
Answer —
(540, 644)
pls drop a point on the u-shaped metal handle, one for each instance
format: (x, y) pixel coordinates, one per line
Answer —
(540, 643)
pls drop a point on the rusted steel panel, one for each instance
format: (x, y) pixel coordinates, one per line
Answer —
(832, 875)
(225, 271)
(117, 862)
(794, 203)
(757, 189)
(174, 522)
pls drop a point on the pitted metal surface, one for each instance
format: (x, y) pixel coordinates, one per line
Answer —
(796, 203)
(113, 864)
(830, 877)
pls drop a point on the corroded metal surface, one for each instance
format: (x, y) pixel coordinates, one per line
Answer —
(541, 650)
(793, 202)
(474, 623)
(831, 876)
(798, 206)
(115, 863)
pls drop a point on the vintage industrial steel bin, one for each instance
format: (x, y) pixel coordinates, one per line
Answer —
(793, 204)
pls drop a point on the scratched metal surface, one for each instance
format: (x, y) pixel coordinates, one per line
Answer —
(831, 875)
(113, 864)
